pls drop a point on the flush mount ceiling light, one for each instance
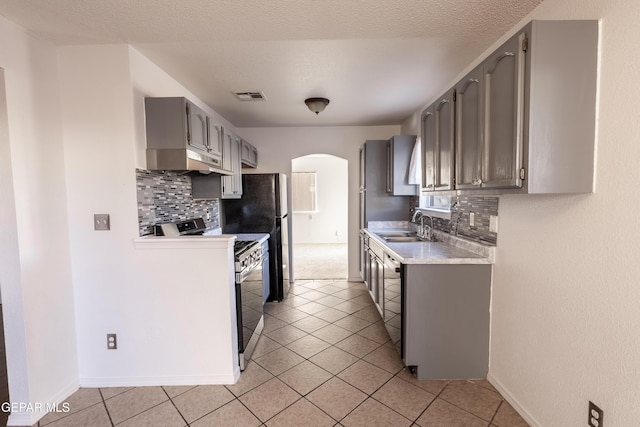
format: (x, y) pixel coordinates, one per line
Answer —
(316, 104)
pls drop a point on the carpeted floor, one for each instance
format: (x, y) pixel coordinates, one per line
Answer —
(320, 261)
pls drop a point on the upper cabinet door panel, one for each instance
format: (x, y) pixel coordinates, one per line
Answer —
(197, 132)
(428, 147)
(469, 130)
(444, 124)
(503, 115)
(215, 138)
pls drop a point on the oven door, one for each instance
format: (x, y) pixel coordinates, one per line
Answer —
(250, 309)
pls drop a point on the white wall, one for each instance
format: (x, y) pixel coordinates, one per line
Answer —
(329, 224)
(278, 146)
(170, 329)
(35, 270)
(565, 318)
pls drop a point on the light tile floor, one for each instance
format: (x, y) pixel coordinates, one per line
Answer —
(324, 359)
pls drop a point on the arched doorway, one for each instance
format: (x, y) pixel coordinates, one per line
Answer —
(319, 217)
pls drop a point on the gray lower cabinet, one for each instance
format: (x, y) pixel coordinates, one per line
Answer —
(364, 257)
(445, 308)
(376, 275)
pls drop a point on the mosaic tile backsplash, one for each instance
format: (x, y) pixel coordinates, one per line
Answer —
(482, 206)
(166, 196)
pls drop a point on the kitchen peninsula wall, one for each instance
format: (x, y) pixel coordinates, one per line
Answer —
(482, 206)
(166, 196)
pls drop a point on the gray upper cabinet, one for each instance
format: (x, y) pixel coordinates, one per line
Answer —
(525, 118)
(399, 151)
(231, 185)
(503, 79)
(248, 154)
(179, 136)
(469, 131)
(444, 111)
(197, 128)
(437, 122)
(215, 138)
(560, 110)
(428, 147)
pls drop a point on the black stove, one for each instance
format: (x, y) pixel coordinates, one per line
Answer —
(247, 256)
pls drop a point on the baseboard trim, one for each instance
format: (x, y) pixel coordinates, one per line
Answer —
(354, 279)
(513, 401)
(93, 382)
(31, 418)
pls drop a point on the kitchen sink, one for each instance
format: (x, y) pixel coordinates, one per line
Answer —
(397, 239)
(389, 234)
(401, 237)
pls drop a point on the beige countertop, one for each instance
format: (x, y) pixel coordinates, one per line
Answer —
(449, 250)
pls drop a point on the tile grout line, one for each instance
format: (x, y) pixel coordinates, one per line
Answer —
(394, 375)
(496, 413)
(174, 404)
(463, 409)
(360, 358)
(104, 403)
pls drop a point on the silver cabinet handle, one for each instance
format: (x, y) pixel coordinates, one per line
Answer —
(476, 182)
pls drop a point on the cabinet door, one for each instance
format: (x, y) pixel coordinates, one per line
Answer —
(249, 154)
(428, 149)
(215, 139)
(444, 116)
(361, 190)
(379, 290)
(237, 168)
(503, 115)
(376, 280)
(469, 131)
(399, 153)
(232, 184)
(197, 128)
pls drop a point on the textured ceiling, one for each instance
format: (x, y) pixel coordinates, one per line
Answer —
(378, 61)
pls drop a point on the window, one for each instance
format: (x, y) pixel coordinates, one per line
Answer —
(304, 191)
(441, 203)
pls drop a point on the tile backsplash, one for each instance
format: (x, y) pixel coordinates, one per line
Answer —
(483, 208)
(166, 196)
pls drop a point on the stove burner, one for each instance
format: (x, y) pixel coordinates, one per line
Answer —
(241, 246)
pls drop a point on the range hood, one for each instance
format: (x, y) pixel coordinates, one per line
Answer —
(183, 159)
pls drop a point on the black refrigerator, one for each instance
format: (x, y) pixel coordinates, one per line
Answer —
(263, 209)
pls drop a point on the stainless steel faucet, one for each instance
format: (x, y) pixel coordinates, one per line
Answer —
(427, 231)
(415, 215)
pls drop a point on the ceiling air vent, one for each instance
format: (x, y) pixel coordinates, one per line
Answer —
(250, 96)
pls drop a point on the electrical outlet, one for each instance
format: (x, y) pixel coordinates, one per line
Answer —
(112, 342)
(595, 415)
(101, 222)
(472, 219)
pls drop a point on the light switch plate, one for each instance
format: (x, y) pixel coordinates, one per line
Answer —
(101, 222)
